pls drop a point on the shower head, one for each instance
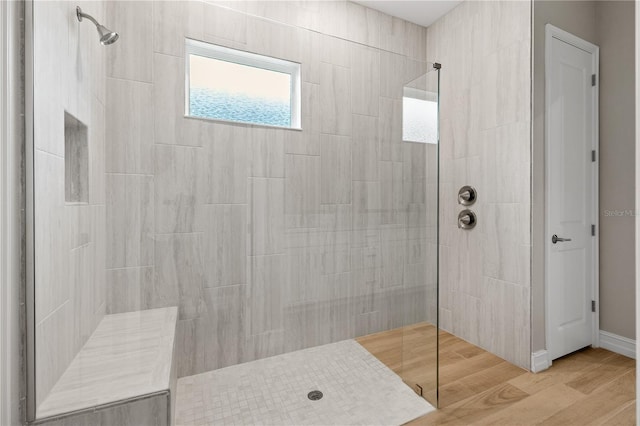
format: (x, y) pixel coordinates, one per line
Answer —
(107, 36)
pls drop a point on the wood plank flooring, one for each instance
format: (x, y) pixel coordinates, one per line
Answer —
(589, 387)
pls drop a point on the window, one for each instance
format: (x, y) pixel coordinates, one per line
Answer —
(419, 116)
(232, 85)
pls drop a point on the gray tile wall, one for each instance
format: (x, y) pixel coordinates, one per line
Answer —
(70, 238)
(269, 240)
(485, 51)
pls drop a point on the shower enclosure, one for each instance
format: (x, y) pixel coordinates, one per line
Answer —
(267, 239)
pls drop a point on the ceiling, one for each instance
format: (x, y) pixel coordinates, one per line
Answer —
(421, 12)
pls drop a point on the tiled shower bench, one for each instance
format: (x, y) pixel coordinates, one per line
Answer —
(123, 375)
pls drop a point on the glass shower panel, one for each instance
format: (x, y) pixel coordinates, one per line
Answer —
(420, 142)
(263, 239)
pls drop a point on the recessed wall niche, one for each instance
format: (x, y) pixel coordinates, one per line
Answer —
(76, 160)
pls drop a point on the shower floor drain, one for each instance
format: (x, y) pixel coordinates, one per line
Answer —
(315, 395)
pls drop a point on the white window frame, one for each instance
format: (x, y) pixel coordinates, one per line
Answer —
(214, 51)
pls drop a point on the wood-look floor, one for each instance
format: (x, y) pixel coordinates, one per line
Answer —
(589, 387)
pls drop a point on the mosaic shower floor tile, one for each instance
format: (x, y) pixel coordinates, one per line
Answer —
(357, 389)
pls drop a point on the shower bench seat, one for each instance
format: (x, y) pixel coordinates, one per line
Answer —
(124, 374)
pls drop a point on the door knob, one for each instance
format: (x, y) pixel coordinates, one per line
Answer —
(556, 239)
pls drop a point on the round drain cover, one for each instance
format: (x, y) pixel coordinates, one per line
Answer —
(315, 395)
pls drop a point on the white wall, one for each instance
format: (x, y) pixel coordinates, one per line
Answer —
(610, 25)
(615, 28)
(637, 181)
(576, 17)
(11, 366)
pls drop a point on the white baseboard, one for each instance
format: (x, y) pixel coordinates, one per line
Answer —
(618, 344)
(540, 361)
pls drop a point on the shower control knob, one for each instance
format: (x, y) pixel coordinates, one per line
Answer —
(467, 195)
(467, 219)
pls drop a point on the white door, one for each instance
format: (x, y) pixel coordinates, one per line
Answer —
(571, 178)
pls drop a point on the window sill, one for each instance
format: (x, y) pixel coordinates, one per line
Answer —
(242, 123)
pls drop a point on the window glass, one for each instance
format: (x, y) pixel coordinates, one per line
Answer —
(419, 118)
(226, 84)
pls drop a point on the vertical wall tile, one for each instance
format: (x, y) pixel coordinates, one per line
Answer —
(335, 174)
(56, 348)
(224, 23)
(364, 158)
(506, 258)
(267, 153)
(302, 191)
(175, 20)
(365, 272)
(129, 136)
(392, 75)
(266, 215)
(303, 270)
(226, 160)
(128, 289)
(51, 289)
(265, 293)
(190, 346)
(269, 38)
(392, 260)
(336, 217)
(130, 220)
(257, 346)
(508, 75)
(487, 117)
(179, 274)
(335, 100)
(132, 60)
(170, 125)
(310, 46)
(509, 337)
(177, 185)
(336, 51)
(225, 326)
(97, 153)
(391, 199)
(99, 246)
(335, 253)
(414, 171)
(390, 129)
(365, 25)
(415, 41)
(303, 325)
(392, 34)
(505, 165)
(82, 265)
(366, 205)
(224, 245)
(306, 142)
(365, 80)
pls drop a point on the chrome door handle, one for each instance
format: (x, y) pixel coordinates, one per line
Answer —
(556, 239)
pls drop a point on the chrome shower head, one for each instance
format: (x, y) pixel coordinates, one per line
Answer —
(107, 36)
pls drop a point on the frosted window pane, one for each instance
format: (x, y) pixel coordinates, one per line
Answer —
(419, 120)
(228, 91)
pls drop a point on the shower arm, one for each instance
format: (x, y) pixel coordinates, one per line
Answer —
(80, 14)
